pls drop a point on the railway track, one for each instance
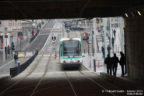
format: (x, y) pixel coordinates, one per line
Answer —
(96, 84)
(45, 71)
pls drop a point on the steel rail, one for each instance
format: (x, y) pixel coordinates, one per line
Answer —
(71, 85)
(96, 83)
(46, 70)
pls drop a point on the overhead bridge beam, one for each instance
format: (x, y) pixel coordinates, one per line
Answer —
(36, 9)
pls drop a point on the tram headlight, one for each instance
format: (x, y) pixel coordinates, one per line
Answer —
(65, 61)
(61, 61)
(77, 60)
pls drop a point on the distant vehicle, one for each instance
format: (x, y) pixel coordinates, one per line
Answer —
(74, 28)
(67, 24)
(70, 52)
(85, 36)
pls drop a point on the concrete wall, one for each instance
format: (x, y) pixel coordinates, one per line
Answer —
(135, 47)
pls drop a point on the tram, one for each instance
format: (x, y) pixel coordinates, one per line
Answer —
(70, 52)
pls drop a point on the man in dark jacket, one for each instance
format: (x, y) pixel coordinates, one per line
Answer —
(108, 62)
(16, 59)
(108, 49)
(103, 51)
(122, 62)
(115, 61)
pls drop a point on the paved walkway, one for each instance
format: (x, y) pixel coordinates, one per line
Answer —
(5, 68)
(9, 58)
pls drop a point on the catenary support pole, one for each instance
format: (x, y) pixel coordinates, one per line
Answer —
(105, 26)
(3, 27)
(110, 33)
(94, 36)
(122, 34)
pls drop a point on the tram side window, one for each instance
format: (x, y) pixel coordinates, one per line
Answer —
(79, 49)
(61, 49)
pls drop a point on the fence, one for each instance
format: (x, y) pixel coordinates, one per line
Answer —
(21, 67)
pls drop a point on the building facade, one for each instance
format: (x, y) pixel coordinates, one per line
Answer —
(11, 29)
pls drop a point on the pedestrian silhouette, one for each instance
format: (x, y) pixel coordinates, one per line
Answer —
(33, 32)
(108, 62)
(108, 49)
(16, 59)
(12, 46)
(53, 38)
(115, 61)
(114, 32)
(113, 40)
(123, 63)
(8, 50)
(103, 51)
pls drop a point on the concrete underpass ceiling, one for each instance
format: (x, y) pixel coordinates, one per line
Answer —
(38, 9)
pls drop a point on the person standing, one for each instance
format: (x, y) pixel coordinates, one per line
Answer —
(12, 45)
(12, 48)
(54, 38)
(108, 49)
(122, 63)
(6, 51)
(108, 62)
(16, 59)
(115, 61)
(8, 48)
(103, 51)
(113, 41)
(33, 32)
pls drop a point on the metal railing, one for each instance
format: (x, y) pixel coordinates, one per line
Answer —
(21, 67)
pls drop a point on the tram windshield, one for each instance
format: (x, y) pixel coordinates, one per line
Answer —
(71, 48)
